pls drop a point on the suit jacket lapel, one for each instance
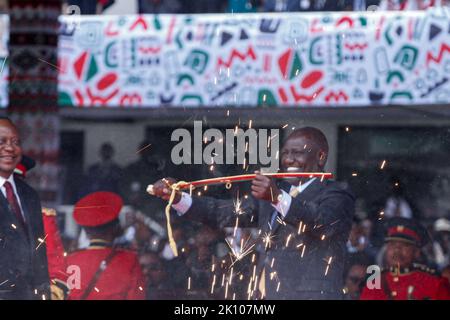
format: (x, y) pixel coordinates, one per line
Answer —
(29, 218)
(306, 195)
(312, 190)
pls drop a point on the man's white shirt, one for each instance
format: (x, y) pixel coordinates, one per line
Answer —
(282, 206)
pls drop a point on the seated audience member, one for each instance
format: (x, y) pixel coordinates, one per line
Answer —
(403, 278)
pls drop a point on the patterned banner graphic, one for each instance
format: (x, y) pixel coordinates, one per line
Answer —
(288, 60)
(4, 70)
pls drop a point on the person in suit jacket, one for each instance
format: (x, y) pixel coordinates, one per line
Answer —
(23, 257)
(57, 264)
(304, 224)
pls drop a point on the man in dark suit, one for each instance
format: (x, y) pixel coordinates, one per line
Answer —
(304, 223)
(23, 258)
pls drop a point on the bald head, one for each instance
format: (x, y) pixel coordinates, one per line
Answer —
(312, 134)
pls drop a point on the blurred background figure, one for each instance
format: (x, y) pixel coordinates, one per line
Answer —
(355, 276)
(203, 6)
(157, 275)
(359, 240)
(360, 5)
(441, 243)
(90, 6)
(396, 204)
(159, 6)
(242, 6)
(152, 164)
(287, 5)
(104, 175)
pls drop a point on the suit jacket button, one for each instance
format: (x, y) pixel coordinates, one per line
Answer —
(394, 293)
(395, 279)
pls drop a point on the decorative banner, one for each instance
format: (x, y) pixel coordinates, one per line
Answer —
(290, 59)
(4, 70)
(33, 89)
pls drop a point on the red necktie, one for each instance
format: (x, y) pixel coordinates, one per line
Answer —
(13, 203)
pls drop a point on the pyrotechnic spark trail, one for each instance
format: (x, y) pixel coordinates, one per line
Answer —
(267, 239)
(143, 148)
(41, 241)
(246, 249)
(51, 64)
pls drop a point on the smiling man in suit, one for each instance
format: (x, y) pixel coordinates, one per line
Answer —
(304, 223)
(23, 258)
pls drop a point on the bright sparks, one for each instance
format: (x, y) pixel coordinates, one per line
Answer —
(300, 227)
(237, 205)
(41, 241)
(328, 265)
(303, 251)
(267, 239)
(288, 239)
(245, 249)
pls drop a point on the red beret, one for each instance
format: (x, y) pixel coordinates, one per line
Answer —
(407, 230)
(97, 209)
(24, 166)
(21, 170)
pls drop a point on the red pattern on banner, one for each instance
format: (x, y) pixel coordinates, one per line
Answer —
(340, 95)
(236, 54)
(356, 46)
(79, 96)
(267, 63)
(311, 79)
(345, 19)
(109, 30)
(170, 31)
(410, 28)
(139, 21)
(379, 27)
(283, 62)
(107, 81)
(438, 58)
(303, 97)
(313, 28)
(283, 96)
(150, 50)
(131, 99)
(102, 101)
(79, 65)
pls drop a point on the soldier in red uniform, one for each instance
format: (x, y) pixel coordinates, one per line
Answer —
(404, 279)
(106, 272)
(57, 265)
